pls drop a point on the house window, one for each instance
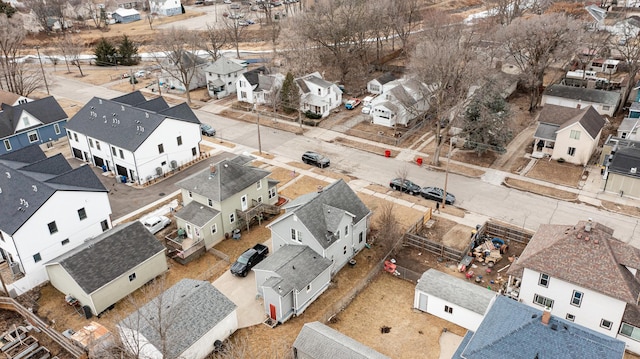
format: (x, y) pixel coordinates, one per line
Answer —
(571, 151)
(190, 194)
(210, 202)
(575, 134)
(113, 151)
(259, 199)
(7, 145)
(607, 324)
(132, 277)
(243, 94)
(56, 128)
(161, 148)
(25, 121)
(214, 228)
(448, 309)
(91, 143)
(179, 139)
(193, 151)
(272, 192)
(543, 301)
(82, 213)
(259, 185)
(98, 144)
(121, 154)
(105, 225)
(319, 91)
(360, 237)
(338, 234)
(37, 257)
(33, 136)
(576, 299)
(232, 217)
(75, 137)
(65, 241)
(630, 331)
(570, 317)
(346, 231)
(53, 228)
(163, 163)
(308, 287)
(544, 280)
(606, 108)
(293, 234)
(344, 250)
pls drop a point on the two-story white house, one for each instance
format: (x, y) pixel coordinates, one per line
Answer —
(134, 138)
(258, 86)
(228, 195)
(402, 101)
(568, 133)
(318, 96)
(47, 209)
(222, 76)
(583, 274)
(166, 7)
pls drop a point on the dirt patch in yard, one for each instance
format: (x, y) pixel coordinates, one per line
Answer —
(559, 173)
(541, 190)
(621, 208)
(282, 175)
(405, 216)
(302, 186)
(457, 237)
(484, 160)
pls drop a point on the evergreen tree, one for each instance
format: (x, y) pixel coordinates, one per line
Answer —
(105, 53)
(289, 94)
(486, 122)
(128, 52)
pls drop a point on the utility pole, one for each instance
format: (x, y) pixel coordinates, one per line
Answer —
(258, 123)
(42, 68)
(446, 174)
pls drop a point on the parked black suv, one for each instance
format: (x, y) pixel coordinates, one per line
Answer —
(316, 159)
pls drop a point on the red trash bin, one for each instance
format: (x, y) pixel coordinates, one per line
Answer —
(387, 153)
(419, 161)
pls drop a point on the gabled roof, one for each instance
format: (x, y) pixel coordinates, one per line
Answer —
(514, 330)
(126, 12)
(589, 119)
(188, 310)
(554, 118)
(105, 258)
(624, 160)
(189, 59)
(124, 122)
(252, 76)
(197, 213)
(28, 180)
(227, 179)
(610, 98)
(455, 290)
(561, 251)
(635, 106)
(596, 12)
(46, 110)
(557, 115)
(629, 125)
(223, 66)
(8, 97)
(295, 265)
(314, 213)
(318, 341)
(386, 77)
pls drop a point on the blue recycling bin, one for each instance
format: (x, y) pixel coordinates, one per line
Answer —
(104, 168)
(124, 179)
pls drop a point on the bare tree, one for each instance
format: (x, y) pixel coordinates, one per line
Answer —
(628, 47)
(305, 58)
(534, 43)
(235, 32)
(403, 18)
(388, 229)
(446, 61)
(214, 39)
(593, 45)
(12, 35)
(152, 13)
(176, 55)
(72, 48)
(505, 11)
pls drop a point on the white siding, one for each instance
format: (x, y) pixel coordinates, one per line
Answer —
(601, 108)
(204, 346)
(459, 315)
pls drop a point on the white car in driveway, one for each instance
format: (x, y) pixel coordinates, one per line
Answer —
(155, 224)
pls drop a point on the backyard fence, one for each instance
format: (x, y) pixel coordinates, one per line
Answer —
(211, 271)
(413, 239)
(506, 232)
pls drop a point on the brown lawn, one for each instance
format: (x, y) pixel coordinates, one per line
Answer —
(302, 186)
(559, 173)
(541, 190)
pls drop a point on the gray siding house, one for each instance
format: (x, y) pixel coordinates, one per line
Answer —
(194, 316)
(318, 341)
(109, 267)
(290, 280)
(333, 222)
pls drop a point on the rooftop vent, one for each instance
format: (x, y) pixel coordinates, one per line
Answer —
(100, 101)
(554, 326)
(320, 188)
(146, 114)
(633, 169)
(121, 108)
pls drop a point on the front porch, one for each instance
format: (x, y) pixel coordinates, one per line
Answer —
(542, 148)
(183, 249)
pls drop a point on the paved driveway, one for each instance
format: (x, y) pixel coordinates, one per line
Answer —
(243, 292)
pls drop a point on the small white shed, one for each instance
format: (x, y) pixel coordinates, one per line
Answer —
(452, 299)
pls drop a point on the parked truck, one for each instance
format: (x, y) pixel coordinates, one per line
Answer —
(248, 259)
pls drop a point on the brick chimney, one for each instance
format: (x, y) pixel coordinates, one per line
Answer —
(546, 316)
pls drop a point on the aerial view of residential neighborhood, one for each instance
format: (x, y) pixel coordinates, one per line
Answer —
(319, 179)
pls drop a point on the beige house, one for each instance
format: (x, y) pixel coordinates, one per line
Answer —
(227, 196)
(567, 133)
(109, 267)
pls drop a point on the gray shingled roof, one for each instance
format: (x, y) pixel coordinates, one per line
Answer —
(122, 123)
(108, 256)
(610, 98)
(318, 341)
(32, 180)
(546, 131)
(629, 124)
(189, 310)
(229, 178)
(386, 77)
(635, 106)
(557, 115)
(589, 119)
(548, 252)
(455, 290)
(296, 266)
(312, 213)
(624, 160)
(554, 118)
(46, 110)
(514, 330)
(197, 213)
(223, 66)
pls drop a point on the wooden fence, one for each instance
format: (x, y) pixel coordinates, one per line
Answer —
(11, 304)
(437, 248)
(506, 232)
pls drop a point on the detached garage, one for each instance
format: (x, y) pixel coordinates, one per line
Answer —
(452, 299)
(124, 16)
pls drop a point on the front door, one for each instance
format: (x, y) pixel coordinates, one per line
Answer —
(422, 304)
(244, 203)
(272, 311)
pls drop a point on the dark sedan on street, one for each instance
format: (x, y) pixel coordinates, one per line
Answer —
(404, 185)
(435, 193)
